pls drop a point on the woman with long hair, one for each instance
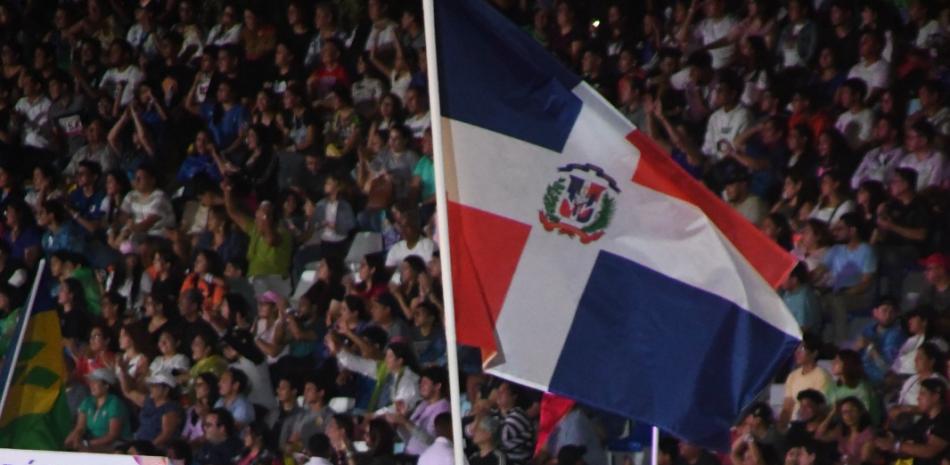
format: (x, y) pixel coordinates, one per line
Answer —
(159, 315)
(134, 357)
(205, 394)
(381, 440)
(411, 271)
(850, 381)
(849, 424)
(371, 279)
(117, 186)
(834, 201)
(74, 319)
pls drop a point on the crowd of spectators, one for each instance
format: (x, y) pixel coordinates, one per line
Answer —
(197, 174)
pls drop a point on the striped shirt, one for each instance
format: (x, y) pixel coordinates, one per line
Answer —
(517, 435)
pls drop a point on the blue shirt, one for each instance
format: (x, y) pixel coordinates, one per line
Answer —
(887, 343)
(88, 207)
(29, 237)
(803, 303)
(150, 419)
(848, 266)
(241, 409)
(68, 237)
(225, 130)
(195, 164)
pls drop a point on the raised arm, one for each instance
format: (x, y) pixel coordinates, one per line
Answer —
(241, 219)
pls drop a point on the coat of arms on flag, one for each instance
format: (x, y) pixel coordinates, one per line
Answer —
(579, 203)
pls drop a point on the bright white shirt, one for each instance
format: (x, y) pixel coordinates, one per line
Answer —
(876, 75)
(856, 127)
(424, 248)
(710, 30)
(36, 120)
(140, 206)
(724, 125)
(931, 171)
(129, 78)
(439, 453)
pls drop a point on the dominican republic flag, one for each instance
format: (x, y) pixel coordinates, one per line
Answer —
(585, 262)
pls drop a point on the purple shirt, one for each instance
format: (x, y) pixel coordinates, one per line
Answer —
(423, 417)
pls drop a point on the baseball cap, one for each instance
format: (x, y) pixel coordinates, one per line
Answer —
(162, 378)
(936, 259)
(102, 374)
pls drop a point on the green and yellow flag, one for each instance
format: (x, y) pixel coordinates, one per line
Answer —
(35, 414)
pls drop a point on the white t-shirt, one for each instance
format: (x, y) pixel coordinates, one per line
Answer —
(724, 125)
(129, 78)
(875, 75)
(424, 248)
(856, 127)
(381, 37)
(35, 116)
(710, 30)
(161, 364)
(140, 206)
(931, 171)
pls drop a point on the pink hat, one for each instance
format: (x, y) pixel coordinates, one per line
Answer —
(270, 297)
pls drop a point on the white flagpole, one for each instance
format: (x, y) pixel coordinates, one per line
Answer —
(27, 313)
(442, 217)
(655, 446)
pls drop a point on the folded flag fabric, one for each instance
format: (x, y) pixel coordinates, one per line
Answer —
(585, 262)
(35, 413)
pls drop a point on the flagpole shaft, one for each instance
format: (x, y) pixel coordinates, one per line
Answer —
(442, 224)
(654, 445)
(27, 311)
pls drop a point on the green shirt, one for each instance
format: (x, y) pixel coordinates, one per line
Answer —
(264, 259)
(426, 172)
(97, 420)
(863, 391)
